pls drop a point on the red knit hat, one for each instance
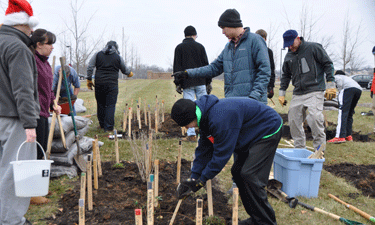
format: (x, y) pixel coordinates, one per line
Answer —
(19, 12)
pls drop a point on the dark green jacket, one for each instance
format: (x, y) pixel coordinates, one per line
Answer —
(306, 68)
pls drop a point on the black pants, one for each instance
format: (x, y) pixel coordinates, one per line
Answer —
(42, 131)
(348, 101)
(251, 171)
(106, 99)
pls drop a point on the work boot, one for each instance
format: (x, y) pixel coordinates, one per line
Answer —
(337, 140)
(230, 191)
(39, 200)
(189, 138)
(349, 138)
(246, 222)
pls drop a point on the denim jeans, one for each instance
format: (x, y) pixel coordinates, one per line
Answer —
(191, 93)
(106, 99)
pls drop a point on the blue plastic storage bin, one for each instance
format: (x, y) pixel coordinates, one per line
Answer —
(300, 176)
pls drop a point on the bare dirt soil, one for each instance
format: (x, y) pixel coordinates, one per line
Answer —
(121, 190)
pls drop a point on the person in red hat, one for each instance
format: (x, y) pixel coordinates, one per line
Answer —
(19, 105)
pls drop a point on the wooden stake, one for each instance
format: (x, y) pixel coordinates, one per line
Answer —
(116, 147)
(209, 198)
(130, 122)
(145, 112)
(149, 117)
(156, 182)
(156, 120)
(147, 158)
(81, 211)
(162, 111)
(83, 186)
(179, 162)
(89, 183)
(199, 213)
(175, 212)
(98, 157)
(95, 165)
(235, 207)
(138, 217)
(139, 117)
(150, 151)
(150, 204)
(125, 119)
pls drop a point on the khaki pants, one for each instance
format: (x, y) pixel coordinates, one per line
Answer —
(300, 104)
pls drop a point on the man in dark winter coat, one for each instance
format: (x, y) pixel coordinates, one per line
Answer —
(241, 125)
(108, 63)
(19, 105)
(271, 84)
(191, 54)
(244, 61)
(308, 66)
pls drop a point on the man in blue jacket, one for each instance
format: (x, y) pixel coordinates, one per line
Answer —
(244, 61)
(233, 125)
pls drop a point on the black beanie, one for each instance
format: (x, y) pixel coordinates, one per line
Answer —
(190, 31)
(183, 112)
(340, 72)
(230, 18)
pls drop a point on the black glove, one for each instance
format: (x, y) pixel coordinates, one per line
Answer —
(179, 77)
(188, 186)
(371, 94)
(269, 92)
(179, 89)
(208, 88)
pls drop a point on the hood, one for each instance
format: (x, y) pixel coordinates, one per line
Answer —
(206, 102)
(111, 48)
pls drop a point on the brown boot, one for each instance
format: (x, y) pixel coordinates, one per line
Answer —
(189, 138)
(39, 200)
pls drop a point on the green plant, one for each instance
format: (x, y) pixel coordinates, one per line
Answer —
(118, 166)
(213, 220)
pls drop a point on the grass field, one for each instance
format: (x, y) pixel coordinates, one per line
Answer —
(355, 152)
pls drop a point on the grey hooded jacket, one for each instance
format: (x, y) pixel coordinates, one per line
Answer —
(18, 78)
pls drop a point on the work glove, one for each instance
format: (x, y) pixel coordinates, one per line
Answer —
(282, 100)
(270, 92)
(188, 187)
(179, 89)
(208, 88)
(330, 91)
(179, 77)
(90, 84)
(371, 94)
(130, 74)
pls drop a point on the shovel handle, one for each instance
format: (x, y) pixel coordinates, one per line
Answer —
(360, 212)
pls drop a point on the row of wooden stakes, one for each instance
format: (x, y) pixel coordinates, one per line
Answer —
(128, 115)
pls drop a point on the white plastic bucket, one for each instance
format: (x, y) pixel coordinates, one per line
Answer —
(31, 177)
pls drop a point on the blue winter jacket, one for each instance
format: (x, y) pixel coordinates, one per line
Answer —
(246, 68)
(229, 125)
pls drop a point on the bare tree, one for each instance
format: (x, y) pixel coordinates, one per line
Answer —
(82, 46)
(351, 41)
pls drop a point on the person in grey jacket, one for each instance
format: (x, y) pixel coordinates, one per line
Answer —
(349, 93)
(108, 63)
(19, 105)
(244, 61)
(305, 64)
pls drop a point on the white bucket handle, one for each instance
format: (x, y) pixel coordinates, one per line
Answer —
(18, 152)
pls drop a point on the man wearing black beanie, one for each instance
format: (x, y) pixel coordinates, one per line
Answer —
(244, 61)
(243, 126)
(191, 54)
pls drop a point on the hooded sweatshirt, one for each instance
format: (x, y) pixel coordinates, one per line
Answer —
(230, 125)
(108, 63)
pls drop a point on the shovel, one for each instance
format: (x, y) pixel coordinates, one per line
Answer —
(79, 159)
(274, 186)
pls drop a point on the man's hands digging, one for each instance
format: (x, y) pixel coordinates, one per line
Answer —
(188, 187)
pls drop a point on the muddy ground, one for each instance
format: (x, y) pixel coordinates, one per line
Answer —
(122, 190)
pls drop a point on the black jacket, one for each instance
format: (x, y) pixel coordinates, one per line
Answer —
(190, 54)
(271, 84)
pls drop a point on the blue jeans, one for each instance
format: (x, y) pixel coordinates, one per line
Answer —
(106, 99)
(191, 93)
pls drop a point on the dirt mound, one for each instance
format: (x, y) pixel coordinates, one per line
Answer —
(122, 190)
(362, 176)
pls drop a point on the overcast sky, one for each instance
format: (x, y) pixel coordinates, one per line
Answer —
(154, 28)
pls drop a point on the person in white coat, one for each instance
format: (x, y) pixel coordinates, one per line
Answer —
(349, 93)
